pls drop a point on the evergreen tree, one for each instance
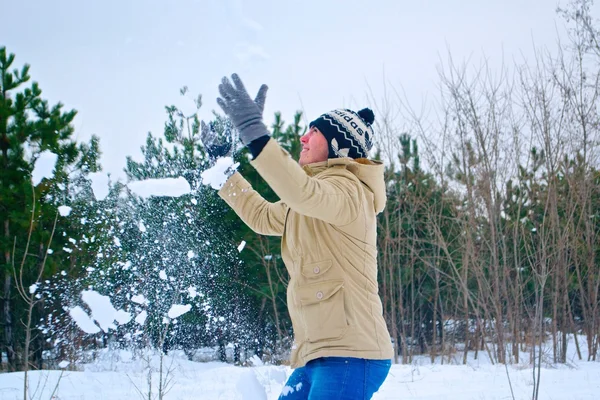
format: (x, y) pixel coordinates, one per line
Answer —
(153, 253)
(31, 129)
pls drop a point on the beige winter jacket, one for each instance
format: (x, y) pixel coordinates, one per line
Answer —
(327, 220)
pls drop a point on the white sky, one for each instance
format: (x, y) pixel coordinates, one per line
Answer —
(120, 62)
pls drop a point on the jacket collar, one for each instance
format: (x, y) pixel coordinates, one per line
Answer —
(369, 172)
(315, 168)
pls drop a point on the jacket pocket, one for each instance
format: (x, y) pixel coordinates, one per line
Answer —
(323, 310)
(316, 269)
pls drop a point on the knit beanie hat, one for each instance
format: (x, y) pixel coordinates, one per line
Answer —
(348, 133)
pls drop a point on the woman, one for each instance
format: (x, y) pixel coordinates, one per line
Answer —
(327, 220)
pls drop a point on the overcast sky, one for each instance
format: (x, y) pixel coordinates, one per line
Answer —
(118, 63)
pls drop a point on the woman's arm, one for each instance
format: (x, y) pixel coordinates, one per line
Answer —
(335, 197)
(261, 216)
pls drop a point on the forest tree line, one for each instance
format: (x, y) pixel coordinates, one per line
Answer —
(489, 241)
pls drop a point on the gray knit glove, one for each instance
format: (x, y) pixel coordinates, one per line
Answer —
(244, 113)
(216, 145)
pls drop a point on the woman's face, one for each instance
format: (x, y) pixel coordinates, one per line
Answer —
(314, 147)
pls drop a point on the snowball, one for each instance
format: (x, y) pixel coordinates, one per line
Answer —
(139, 299)
(64, 211)
(191, 254)
(99, 184)
(103, 311)
(287, 390)
(169, 187)
(122, 317)
(178, 309)
(241, 246)
(141, 317)
(83, 321)
(43, 167)
(215, 177)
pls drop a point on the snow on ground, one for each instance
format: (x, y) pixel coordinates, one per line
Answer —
(116, 374)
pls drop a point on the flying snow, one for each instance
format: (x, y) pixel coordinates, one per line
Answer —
(241, 246)
(178, 309)
(141, 317)
(99, 184)
(169, 187)
(64, 211)
(44, 166)
(215, 177)
(103, 313)
(139, 299)
(83, 321)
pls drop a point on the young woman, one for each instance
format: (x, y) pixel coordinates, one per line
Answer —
(327, 220)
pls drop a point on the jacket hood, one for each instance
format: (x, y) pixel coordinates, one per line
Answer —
(369, 172)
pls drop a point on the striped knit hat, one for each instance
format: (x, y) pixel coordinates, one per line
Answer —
(348, 133)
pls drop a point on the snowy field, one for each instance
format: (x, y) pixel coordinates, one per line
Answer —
(118, 375)
(115, 375)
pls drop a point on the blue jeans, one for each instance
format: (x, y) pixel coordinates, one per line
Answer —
(336, 378)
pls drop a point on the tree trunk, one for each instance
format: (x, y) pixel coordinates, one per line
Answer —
(434, 318)
(8, 323)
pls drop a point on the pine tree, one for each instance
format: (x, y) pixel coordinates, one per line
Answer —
(152, 253)
(30, 128)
